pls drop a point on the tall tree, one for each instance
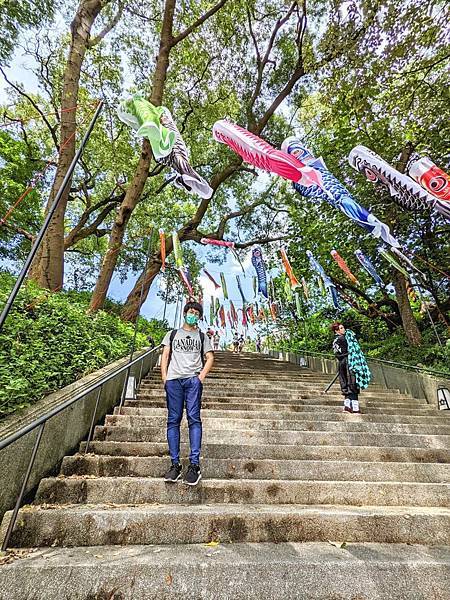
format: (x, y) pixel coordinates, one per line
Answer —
(48, 267)
(283, 52)
(168, 41)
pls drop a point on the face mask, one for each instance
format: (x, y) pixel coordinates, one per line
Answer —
(191, 319)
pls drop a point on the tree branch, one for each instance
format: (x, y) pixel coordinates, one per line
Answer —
(51, 129)
(261, 241)
(80, 232)
(98, 38)
(19, 230)
(181, 36)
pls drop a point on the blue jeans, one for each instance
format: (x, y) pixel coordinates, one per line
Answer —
(181, 392)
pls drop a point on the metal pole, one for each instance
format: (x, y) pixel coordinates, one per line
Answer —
(166, 298)
(12, 522)
(329, 385)
(136, 325)
(48, 218)
(147, 260)
(176, 313)
(93, 419)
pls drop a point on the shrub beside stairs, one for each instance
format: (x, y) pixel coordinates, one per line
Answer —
(298, 500)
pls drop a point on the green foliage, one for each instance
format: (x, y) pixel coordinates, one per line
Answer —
(313, 333)
(49, 341)
(16, 16)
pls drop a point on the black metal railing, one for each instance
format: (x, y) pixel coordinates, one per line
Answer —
(382, 361)
(40, 423)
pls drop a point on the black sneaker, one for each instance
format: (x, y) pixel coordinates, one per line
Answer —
(193, 475)
(174, 473)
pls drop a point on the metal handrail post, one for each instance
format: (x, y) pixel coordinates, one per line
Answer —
(48, 218)
(140, 374)
(124, 389)
(93, 419)
(12, 522)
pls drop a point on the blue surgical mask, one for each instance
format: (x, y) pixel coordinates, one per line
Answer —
(191, 319)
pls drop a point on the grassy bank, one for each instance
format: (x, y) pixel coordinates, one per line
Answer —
(49, 341)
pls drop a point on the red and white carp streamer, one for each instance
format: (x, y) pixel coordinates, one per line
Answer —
(262, 155)
(234, 315)
(343, 266)
(211, 278)
(251, 314)
(213, 242)
(185, 280)
(289, 272)
(162, 239)
(403, 189)
(430, 177)
(223, 322)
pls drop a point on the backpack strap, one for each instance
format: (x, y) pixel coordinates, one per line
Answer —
(202, 347)
(173, 333)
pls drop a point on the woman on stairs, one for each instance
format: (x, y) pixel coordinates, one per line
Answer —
(183, 371)
(354, 374)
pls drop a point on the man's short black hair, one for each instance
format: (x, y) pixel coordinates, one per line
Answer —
(195, 306)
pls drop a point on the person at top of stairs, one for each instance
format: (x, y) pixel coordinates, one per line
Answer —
(183, 370)
(354, 373)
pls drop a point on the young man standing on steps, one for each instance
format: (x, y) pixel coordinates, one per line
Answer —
(183, 370)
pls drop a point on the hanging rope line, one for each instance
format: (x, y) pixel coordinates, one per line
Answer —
(39, 175)
(40, 116)
(432, 266)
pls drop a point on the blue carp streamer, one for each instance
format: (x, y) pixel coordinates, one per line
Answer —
(326, 280)
(368, 266)
(260, 268)
(336, 194)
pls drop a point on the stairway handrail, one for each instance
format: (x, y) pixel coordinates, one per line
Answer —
(81, 394)
(373, 359)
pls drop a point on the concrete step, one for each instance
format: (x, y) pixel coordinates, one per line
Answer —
(249, 436)
(306, 401)
(225, 468)
(147, 490)
(298, 406)
(282, 452)
(249, 392)
(176, 524)
(225, 413)
(230, 384)
(287, 571)
(353, 423)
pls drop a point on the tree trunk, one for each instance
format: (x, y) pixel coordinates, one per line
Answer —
(137, 184)
(132, 306)
(48, 266)
(409, 322)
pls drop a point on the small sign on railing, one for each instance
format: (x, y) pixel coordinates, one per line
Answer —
(443, 398)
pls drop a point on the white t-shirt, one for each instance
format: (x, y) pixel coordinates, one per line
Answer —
(186, 358)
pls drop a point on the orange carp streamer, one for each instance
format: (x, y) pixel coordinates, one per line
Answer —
(288, 269)
(162, 239)
(273, 311)
(343, 265)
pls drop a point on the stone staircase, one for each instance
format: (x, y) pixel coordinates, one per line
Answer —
(298, 499)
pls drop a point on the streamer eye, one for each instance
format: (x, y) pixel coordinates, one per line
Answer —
(438, 183)
(369, 174)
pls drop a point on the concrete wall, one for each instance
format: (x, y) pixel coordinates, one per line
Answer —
(419, 385)
(62, 433)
